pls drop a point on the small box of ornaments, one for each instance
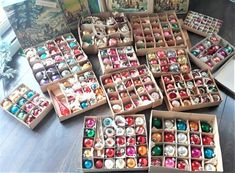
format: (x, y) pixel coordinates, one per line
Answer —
(113, 59)
(118, 143)
(76, 94)
(201, 24)
(155, 31)
(168, 61)
(211, 52)
(131, 90)
(104, 30)
(184, 142)
(27, 106)
(57, 59)
(187, 91)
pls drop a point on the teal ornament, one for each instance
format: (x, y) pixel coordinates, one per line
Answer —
(76, 69)
(30, 94)
(195, 52)
(107, 122)
(87, 164)
(68, 37)
(43, 56)
(21, 102)
(181, 125)
(84, 105)
(103, 53)
(94, 86)
(14, 109)
(212, 89)
(40, 50)
(228, 49)
(209, 153)
(72, 44)
(22, 115)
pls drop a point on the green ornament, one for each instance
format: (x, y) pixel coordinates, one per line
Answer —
(157, 150)
(229, 49)
(157, 123)
(175, 26)
(90, 133)
(206, 127)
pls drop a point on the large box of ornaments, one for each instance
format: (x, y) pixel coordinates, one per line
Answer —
(57, 59)
(115, 143)
(157, 30)
(193, 90)
(168, 61)
(211, 52)
(131, 90)
(76, 94)
(119, 58)
(104, 30)
(184, 142)
(26, 105)
(201, 24)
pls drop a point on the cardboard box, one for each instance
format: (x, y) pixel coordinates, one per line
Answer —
(131, 90)
(104, 30)
(188, 91)
(125, 140)
(201, 24)
(57, 59)
(225, 75)
(113, 59)
(190, 119)
(26, 105)
(153, 31)
(77, 94)
(180, 6)
(168, 61)
(211, 52)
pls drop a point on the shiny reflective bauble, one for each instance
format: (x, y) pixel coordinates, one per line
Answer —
(169, 124)
(196, 152)
(109, 152)
(99, 164)
(120, 163)
(157, 122)
(193, 126)
(169, 150)
(182, 138)
(90, 133)
(156, 137)
(157, 150)
(209, 153)
(169, 137)
(130, 151)
(107, 122)
(182, 165)
(87, 164)
(88, 143)
(209, 167)
(206, 127)
(182, 151)
(195, 139)
(156, 162)
(181, 125)
(141, 140)
(109, 163)
(142, 150)
(169, 163)
(143, 162)
(196, 165)
(207, 140)
(131, 163)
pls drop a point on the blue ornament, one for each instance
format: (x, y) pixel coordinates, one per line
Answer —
(181, 125)
(14, 109)
(84, 104)
(22, 101)
(41, 50)
(87, 164)
(107, 122)
(209, 153)
(72, 44)
(94, 86)
(30, 94)
(43, 56)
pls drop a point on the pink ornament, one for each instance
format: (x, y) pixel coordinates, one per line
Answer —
(90, 122)
(196, 152)
(169, 163)
(130, 151)
(161, 54)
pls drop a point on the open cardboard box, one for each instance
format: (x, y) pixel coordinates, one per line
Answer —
(61, 99)
(158, 65)
(152, 31)
(79, 59)
(189, 101)
(192, 24)
(225, 75)
(135, 100)
(94, 35)
(211, 119)
(123, 60)
(200, 63)
(16, 95)
(100, 137)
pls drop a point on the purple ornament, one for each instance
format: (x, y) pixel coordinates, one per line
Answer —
(130, 151)
(55, 77)
(196, 152)
(44, 81)
(223, 53)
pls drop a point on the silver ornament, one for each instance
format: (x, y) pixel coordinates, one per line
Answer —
(182, 151)
(174, 68)
(169, 150)
(182, 138)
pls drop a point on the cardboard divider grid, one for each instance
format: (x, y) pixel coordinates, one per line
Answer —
(57, 59)
(26, 105)
(193, 124)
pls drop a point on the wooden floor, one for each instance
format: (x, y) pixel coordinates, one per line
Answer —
(56, 147)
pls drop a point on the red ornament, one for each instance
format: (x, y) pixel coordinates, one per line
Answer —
(113, 98)
(131, 141)
(199, 82)
(125, 74)
(170, 86)
(161, 54)
(108, 80)
(98, 164)
(172, 95)
(128, 106)
(207, 140)
(88, 143)
(187, 77)
(195, 139)
(87, 89)
(143, 162)
(166, 79)
(144, 97)
(77, 52)
(141, 140)
(120, 141)
(128, 83)
(165, 68)
(134, 63)
(200, 47)
(116, 65)
(130, 121)
(173, 60)
(141, 71)
(196, 165)
(153, 61)
(182, 165)
(163, 62)
(169, 137)
(183, 93)
(109, 152)
(114, 58)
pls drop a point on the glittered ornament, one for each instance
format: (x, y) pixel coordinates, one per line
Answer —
(206, 127)
(169, 162)
(181, 124)
(156, 137)
(87, 164)
(157, 150)
(157, 122)
(209, 153)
